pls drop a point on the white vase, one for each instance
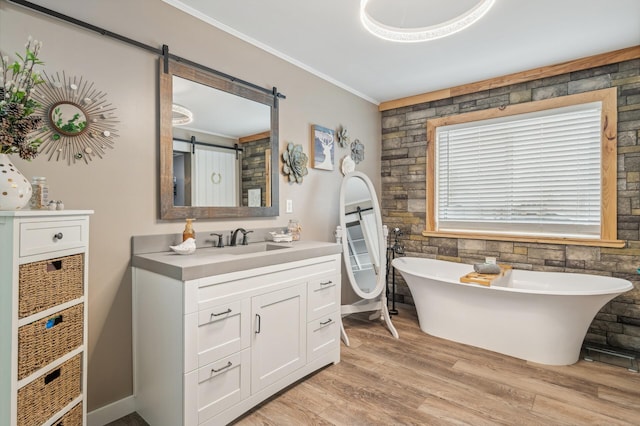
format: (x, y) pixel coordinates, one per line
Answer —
(15, 189)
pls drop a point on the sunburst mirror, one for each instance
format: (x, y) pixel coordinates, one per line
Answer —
(81, 122)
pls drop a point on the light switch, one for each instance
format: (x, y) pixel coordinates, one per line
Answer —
(289, 208)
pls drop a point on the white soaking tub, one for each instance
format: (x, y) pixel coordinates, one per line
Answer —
(537, 316)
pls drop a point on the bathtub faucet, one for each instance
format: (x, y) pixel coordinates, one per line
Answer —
(397, 247)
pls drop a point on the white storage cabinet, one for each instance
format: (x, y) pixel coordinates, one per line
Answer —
(208, 350)
(43, 317)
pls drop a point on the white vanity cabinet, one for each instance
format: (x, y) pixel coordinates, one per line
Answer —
(279, 344)
(207, 350)
(43, 317)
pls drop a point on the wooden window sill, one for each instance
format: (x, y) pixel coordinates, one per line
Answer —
(529, 239)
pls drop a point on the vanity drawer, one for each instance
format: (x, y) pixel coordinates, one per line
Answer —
(45, 340)
(324, 296)
(322, 335)
(218, 332)
(217, 386)
(51, 236)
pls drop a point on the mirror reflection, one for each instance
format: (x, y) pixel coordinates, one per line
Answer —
(68, 118)
(361, 236)
(218, 146)
(364, 252)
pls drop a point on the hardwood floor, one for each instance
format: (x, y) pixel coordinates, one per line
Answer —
(424, 380)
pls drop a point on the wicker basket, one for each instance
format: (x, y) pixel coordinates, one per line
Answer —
(72, 418)
(45, 340)
(50, 393)
(48, 283)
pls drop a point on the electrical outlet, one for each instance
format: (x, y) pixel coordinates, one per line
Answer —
(289, 208)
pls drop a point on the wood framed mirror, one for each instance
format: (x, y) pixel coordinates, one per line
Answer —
(218, 146)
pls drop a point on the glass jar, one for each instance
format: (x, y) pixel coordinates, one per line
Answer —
(40, 196)
(294, 229)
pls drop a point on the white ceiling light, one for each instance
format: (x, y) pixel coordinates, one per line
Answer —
(181, 115)
(412, 35)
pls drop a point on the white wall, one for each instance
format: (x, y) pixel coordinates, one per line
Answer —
(122, 188)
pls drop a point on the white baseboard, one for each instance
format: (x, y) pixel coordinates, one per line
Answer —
(111, 412)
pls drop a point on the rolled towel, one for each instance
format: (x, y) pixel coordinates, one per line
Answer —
(486, 268)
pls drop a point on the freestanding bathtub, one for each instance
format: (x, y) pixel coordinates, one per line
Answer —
(537, 316)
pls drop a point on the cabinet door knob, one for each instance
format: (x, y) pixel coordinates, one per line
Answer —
(58, 236)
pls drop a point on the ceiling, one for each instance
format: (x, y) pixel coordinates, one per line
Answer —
(220, 113)
(326, 38)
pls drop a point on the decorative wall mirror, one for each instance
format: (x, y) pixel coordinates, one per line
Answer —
(218, 146)
(81, 123)
(364, 248)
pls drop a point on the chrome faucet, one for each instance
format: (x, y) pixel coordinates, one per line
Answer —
(234, 237)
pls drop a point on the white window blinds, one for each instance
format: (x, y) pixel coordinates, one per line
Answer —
(528, 174)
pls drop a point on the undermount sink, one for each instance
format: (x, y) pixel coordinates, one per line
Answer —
(253, 248)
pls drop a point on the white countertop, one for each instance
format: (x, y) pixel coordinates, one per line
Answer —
(42, 212)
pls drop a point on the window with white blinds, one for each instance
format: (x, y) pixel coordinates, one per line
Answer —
(535, 174)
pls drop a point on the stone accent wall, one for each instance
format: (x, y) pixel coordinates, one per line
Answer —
(253, 169)
(403, 198)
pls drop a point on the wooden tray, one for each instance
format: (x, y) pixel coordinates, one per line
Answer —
(485, 279)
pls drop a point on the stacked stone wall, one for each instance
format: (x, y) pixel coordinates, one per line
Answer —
(403, 198)
(254, 169)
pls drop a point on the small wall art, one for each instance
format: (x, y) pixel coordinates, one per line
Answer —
(254, 197)
(294, 163)
(323, 143)
(357, 151)
(343, 137)
(82, 123)
(348, 165)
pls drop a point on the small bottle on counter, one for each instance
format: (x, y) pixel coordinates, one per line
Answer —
(40, 196)
(188, 231)
(294, 229)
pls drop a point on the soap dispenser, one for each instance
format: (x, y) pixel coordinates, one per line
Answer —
(188, 231)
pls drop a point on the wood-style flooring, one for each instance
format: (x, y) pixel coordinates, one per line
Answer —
(424, 380)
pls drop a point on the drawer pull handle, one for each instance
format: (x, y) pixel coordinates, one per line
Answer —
(229, 364)
(56, 265)
(52, 322)
(258, 324)
(58, 236)
(51, 376)
(327, 283)
(329, 321)
(228, 311)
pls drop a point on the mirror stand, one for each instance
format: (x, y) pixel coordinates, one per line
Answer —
(378, 305)
(381, 312)
(364, 249)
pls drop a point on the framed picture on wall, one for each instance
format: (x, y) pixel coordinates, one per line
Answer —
(254, 197)
(323, 145)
